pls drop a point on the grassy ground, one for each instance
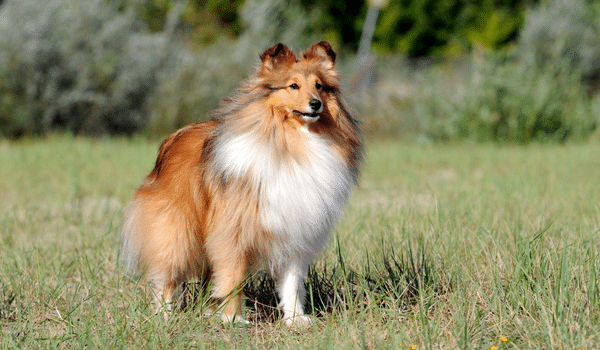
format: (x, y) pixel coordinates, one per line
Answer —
(442, 247)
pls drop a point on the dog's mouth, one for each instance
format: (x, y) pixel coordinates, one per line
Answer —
(307, 116)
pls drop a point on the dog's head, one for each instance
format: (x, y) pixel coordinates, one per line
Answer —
(299, 88)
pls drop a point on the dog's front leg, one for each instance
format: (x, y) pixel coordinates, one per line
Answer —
(290, 285)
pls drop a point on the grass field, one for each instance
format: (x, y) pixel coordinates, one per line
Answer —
(456, 246)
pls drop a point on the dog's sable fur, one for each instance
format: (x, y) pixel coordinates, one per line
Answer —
(261, 184)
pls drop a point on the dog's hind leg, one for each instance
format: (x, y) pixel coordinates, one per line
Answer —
(227, 283)
(164, 291)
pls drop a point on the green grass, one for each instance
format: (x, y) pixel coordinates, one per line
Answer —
(441, 247)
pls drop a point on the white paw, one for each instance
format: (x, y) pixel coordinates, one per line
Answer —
(298, 321)
(234, 320)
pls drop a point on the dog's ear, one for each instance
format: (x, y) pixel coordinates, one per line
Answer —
(276, 56)
(320, 51)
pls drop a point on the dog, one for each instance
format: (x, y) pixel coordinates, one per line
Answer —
(259, 185)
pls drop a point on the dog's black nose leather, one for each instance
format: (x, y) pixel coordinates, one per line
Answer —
(314, 104)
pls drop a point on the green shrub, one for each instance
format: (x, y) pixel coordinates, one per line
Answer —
(540, 94)
(78, 65)
(562, 30)
(508, 101)
(542, 91)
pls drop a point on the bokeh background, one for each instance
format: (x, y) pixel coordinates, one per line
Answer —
(436, 70)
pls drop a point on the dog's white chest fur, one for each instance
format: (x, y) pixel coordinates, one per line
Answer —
(299, 200)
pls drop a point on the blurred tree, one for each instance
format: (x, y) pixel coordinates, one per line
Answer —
(205, 20)
(340, 21)
(212, 18)
(424, 27)
(412, 27)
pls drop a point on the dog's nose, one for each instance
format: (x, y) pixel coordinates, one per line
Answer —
(314, 104)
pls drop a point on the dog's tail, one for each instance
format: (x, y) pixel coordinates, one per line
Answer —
(129, 252)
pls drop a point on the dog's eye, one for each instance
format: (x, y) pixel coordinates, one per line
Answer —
(318, 86)
(294, 86)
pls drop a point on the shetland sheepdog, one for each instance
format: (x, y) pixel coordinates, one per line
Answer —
(261, 184)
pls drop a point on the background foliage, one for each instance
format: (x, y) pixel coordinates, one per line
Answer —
(500, 70)
(82, 66)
